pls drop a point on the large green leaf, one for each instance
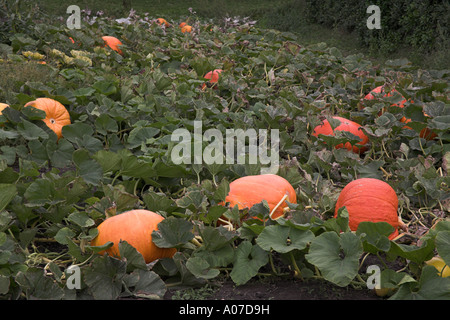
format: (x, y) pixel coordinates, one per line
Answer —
(337, 257)
(284, 239)
(249, 259)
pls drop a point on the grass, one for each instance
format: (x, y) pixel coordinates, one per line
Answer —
(284, 15)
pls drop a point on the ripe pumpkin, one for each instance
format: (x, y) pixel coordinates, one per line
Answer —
(368, 199)
(181, 25)
(162, 21)
(3, 106)
(424, 133)
(212, 76)
(186, 28)
(346, 125)
(57, 115)
(250, 190)
(439, 264)
(113, 43)
(135, 227)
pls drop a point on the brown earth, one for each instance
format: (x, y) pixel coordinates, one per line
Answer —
(284, 289)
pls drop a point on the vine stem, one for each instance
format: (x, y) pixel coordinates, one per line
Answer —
(294, 263)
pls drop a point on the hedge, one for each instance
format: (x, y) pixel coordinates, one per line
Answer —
(421, 24)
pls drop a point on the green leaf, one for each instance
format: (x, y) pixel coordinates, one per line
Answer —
(172, 232)
(88, 168)
(337, 257)
(284, 239)
(81, 218)
(201, 268)
(374, 236)
(249, 259)
(37, 286)
(105, 87)
(429, 287)
(7, 193)
(134, 259)
(443, 245)
(30, 131)
(105, 277)
(418, 254)
(145, 284)
(64, 234)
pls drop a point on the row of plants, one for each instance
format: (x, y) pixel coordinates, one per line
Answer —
(115, 156)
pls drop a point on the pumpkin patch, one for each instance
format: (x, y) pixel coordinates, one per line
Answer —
(149, 135)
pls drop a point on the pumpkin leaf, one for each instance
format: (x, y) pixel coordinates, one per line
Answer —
(374, 235)
(7, 193)
(172, 232)
(249, 259)
(104, 278)
(337, 257)
(429, 287)
(284, 239)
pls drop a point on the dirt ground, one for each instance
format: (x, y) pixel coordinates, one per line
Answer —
(284, 289)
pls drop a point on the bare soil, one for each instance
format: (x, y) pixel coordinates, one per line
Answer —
(285, 289)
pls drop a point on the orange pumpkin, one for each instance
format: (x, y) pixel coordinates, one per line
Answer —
(250, 190)
(3, 106)
(135, 227)
(113, 43)
(186, 28)
(424, 133)
(346, 125)
(57, 115)
(212, 76)
(369, 199)
(162, 21)
(181, 25)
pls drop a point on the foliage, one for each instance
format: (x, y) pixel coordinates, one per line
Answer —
(117, 154)
(420, 24)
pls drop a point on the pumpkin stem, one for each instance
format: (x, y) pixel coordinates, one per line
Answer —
(276, 207)
(229, 225)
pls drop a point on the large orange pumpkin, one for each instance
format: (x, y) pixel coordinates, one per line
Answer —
(368, 199)
(424, 133)
(346, 125)
(113, 43)
(135, 227)
(250, 190)
(57, 115)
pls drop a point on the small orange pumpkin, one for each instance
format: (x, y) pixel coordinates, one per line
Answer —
(250, 190)
(113, 43)
(186, 28)
(424, 133)
(212, 76)
(181, 25)
(135, 227)
(162, 21)
(346, 125)
(3, 106)
(368, 199)
(57, 115)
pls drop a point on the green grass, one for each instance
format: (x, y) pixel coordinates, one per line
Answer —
(284, 15)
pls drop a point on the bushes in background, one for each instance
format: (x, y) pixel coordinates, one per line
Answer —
(421, 24)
